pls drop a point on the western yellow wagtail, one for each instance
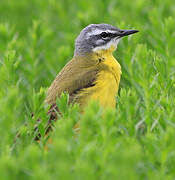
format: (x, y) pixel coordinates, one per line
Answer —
(93, 73)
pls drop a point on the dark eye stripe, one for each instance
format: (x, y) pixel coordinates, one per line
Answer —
(106, 34)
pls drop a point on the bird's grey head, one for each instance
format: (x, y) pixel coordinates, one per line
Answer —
(98, 37)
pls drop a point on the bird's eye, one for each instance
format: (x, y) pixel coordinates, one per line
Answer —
(104, 35)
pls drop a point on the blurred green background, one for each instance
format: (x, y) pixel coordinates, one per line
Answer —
(134, 142)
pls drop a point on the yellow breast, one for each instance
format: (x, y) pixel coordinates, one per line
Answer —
(107, 82)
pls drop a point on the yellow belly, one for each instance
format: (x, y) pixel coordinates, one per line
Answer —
(106, 86)
(105, 90)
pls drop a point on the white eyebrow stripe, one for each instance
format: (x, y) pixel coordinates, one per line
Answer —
(98, 31)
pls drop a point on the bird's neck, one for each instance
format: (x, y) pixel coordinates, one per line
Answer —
(109, 64)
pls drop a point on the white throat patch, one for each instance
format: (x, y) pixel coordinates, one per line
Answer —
(113, 42)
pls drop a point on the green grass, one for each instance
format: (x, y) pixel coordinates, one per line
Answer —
(136, 141)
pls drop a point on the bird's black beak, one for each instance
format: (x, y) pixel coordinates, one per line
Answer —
(126, 32)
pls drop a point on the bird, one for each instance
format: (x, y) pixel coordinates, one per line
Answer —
(93, 73)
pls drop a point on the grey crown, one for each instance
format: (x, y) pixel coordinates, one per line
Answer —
(85, 42)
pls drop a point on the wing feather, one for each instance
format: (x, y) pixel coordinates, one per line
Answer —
(75, 76)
